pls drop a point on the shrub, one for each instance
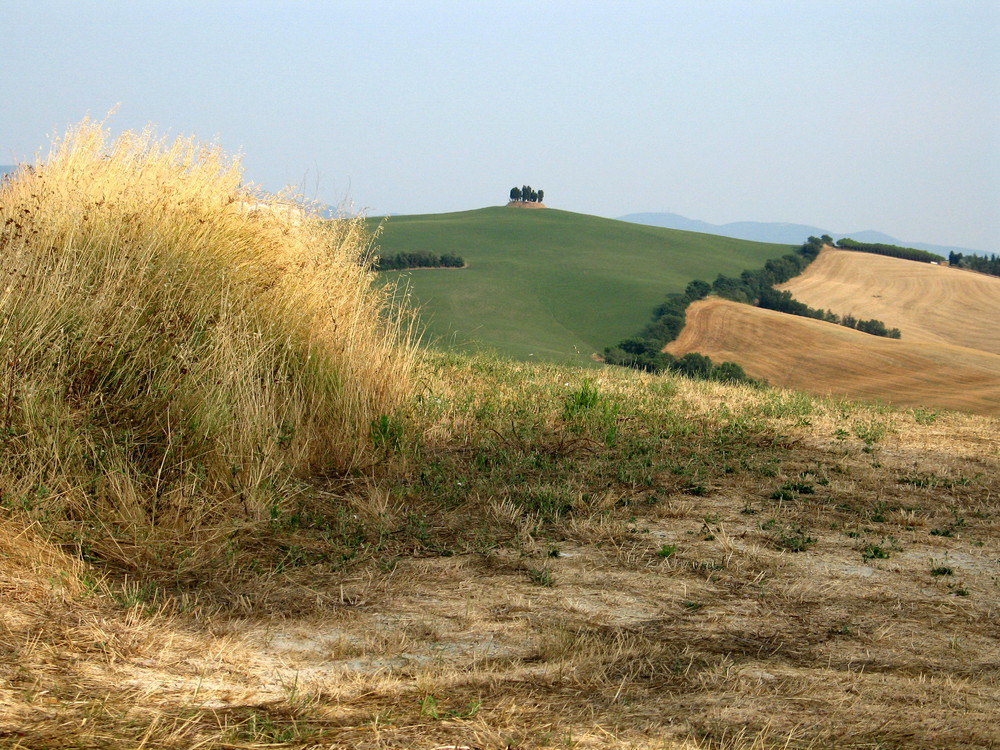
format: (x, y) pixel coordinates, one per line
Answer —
(179, 347)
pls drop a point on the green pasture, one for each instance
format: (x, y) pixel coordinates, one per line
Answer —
(552, 285)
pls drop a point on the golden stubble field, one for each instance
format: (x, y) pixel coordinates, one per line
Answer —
(948, 357)
(825, 358)
(929, 304)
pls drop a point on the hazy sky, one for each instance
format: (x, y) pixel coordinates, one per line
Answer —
(846, 115)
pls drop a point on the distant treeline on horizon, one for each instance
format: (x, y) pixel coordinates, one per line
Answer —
(983, 263)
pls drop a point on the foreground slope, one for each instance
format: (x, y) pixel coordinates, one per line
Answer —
(552, 284)
(661, 564)
(823, 358)
(928, 303)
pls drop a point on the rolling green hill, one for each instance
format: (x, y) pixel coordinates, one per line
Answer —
(549, 284)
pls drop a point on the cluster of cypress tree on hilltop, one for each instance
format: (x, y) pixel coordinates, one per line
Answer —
(982, 263)
(526, 194)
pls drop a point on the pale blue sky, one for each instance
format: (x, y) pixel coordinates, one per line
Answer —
(846, 115)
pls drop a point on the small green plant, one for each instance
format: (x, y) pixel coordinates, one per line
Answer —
(871, 433)
(541, 577)
(802, 488)
(874, 552)
(667, 550)
(942, 570)
(580, 401)
(386, 433)
(429, 706)
(260, 727)
(794, 540)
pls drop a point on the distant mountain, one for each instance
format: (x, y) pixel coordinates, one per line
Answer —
(789, 234)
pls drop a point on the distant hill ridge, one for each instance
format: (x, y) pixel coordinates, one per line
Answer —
(552, 284)
(759, 231)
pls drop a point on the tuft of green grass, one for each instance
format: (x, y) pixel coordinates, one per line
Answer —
(794, 540)
(582, 400)
(874, 552)
(541, 577)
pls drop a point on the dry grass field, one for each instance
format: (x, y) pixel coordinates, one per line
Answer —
(548, 557)
(824, 358)
(929, 304)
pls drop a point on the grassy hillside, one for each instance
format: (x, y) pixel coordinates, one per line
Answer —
(824, 358)
(552, 284)
(929, 304)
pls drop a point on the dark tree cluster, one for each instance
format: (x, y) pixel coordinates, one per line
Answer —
(982, 263)
(757, 288)
(644, 351)
(420, 259)
(527, 194)
(893, 251)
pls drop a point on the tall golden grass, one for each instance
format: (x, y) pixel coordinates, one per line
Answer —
(178, 349)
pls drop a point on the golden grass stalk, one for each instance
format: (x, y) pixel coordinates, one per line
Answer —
(176, 346)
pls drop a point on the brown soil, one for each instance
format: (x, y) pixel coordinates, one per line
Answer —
(825, 358)
(525, 204)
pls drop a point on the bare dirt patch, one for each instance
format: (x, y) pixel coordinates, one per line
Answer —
(525, 204)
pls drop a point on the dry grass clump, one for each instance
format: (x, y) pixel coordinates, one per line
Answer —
(177, 349)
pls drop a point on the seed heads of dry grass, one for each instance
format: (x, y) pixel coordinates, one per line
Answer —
(178, 347)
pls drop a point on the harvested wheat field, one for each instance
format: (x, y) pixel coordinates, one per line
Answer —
(824, 358)
(932, 304)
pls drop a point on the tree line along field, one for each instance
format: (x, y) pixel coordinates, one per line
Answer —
(552, 284)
